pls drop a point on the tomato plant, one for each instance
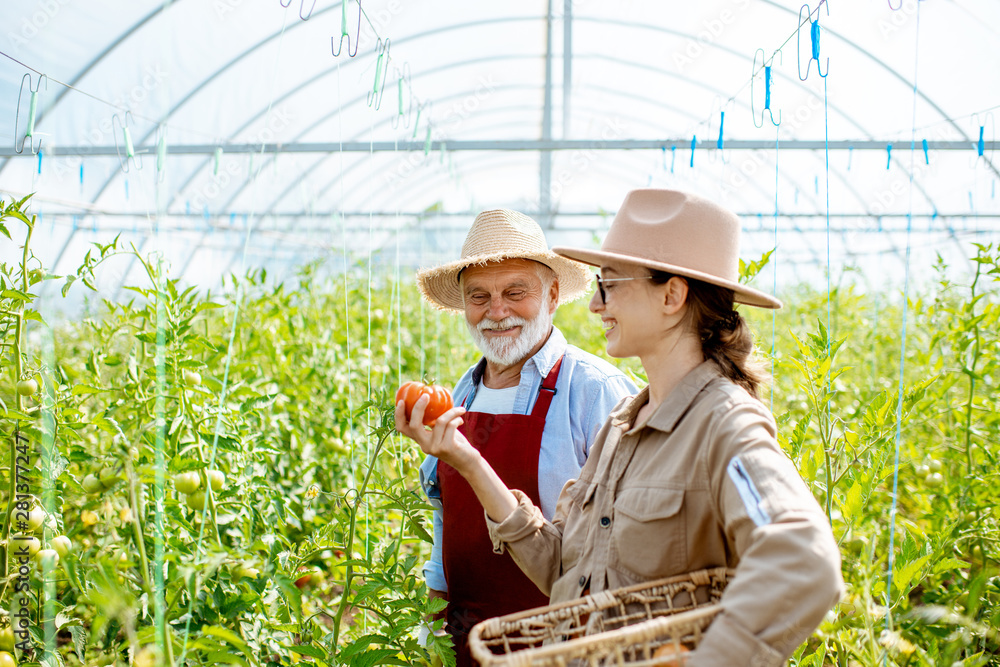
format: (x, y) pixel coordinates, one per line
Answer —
(309, 528)
(439, 399)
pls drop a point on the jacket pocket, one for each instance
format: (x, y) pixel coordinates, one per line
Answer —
(649, 532)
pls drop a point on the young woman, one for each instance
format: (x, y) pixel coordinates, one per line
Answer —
(687, 474)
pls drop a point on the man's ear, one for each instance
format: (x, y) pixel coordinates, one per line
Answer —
(553, 296)
(676, 295)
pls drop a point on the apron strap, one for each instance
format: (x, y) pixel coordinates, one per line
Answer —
(547, 391)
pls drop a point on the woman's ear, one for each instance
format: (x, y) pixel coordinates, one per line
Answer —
(676, 295)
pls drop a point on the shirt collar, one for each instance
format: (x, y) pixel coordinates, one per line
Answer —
(543, 360)
(670, 411)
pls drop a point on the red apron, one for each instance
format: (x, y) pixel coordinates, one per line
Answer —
(483, 584)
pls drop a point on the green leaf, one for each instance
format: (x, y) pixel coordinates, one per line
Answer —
(307, 649)
(854, 502)
(80, 389)
(226, 635)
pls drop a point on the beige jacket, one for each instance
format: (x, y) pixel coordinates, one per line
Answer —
(702, 483)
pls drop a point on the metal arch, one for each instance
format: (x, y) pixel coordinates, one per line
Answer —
(277, 199)
(323, 119)
(330, 184)
(613, 91)
(277, 34)
(417, 36)
(92, 64)
(880, 63)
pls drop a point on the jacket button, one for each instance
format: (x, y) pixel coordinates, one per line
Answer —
(605, 522)
(583, 581)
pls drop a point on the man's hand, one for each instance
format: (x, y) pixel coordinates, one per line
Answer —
(443, 440)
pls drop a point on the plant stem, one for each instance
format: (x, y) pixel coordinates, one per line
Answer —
(18, 400)
(349, 546)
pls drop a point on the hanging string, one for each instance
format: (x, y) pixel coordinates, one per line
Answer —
(774, 264)
(902, 350)
(238, 304)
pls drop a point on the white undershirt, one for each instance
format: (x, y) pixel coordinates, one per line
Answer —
(494, 401)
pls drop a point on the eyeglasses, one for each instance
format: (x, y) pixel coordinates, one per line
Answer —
(600, 284)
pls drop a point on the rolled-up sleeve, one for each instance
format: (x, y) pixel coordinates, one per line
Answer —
(534, 543)
(788, 574)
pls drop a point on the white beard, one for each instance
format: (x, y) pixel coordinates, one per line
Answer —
(505, 351)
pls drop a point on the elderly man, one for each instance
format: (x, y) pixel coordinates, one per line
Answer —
(535, 405)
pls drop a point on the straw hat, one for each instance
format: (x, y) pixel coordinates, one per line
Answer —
(678, 233)
(495, 236)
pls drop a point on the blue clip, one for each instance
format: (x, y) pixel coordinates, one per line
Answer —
(814, 39)
(850, 156)
(722, 122)
(673, 158)
(923, 142)
(39, 161)
(980, 145)
(888, 155)
(694, 142)
(81, 176)
(767, 88)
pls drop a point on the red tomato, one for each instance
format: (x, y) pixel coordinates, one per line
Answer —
(440, 401)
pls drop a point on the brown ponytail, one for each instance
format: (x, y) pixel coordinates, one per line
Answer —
(725, 336)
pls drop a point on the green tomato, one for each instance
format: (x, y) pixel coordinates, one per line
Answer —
(91, 484)
(109, 477)
(187, 482)
(7, 639)
(196, 501)
(145, 657)
(32, 544)
(62, 544)
(241, 570)
(923, 470)
(934, 465)
(192, 378)
(27, 387)
(7, 660)
(36, 517)
(217, 478)
(47, 558)
(934, 480)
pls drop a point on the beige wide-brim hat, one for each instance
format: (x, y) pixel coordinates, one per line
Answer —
(679, 233)
(497, 235)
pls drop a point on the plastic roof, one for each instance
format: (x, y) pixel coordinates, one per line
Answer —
(255, 145)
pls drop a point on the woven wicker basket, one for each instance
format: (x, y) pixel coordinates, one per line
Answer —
(626, 626)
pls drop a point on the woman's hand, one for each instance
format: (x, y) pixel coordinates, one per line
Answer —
(443, 440)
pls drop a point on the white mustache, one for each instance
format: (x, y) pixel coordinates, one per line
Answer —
(505, 323)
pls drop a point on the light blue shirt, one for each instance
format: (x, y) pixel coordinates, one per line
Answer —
(586, 390)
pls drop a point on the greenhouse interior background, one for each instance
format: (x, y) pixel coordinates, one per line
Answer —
(228, 201)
